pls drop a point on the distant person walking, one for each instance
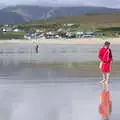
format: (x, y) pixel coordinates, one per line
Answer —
(105, 56)
(36, 48)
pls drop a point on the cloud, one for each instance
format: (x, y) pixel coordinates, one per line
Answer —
(107, 3)
(13, 2)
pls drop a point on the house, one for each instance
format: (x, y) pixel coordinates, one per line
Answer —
(89, 34)
(60, 30)
(50, 33)
(7, 29)
(37, 30)
(6, 25)
(70, 35)
(17, 30)
(27, 37)
(68, 25)
(79, 34)
(58, 37)
(3, 29)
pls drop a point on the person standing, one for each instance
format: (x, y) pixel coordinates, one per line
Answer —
(105, 56)
(36, 48)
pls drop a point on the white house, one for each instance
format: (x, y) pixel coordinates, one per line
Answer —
(69, 24)
(16, 30)
(7, 29)
(50, 33)
(27, 37)
(79, 34)
(4, 30)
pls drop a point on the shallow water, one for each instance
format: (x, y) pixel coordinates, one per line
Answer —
(53, 53)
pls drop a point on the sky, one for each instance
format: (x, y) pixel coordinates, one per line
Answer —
(106, 3)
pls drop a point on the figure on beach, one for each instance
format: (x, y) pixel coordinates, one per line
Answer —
(36, 48)
(105, 107)
(105, 56)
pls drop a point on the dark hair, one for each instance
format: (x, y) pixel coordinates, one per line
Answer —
(106, 43)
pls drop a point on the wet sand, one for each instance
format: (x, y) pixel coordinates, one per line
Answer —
(53, 53)
(56, 101)
(58, 60)
(44, 72)
(64, 89)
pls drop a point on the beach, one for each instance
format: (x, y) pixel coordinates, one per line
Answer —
(57, 83)
(58, 60)
(66, 41)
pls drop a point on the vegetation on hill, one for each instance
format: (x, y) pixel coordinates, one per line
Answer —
(109, 24)
(11, 35)
(97, 20)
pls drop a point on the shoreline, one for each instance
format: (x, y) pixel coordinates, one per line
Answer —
(64, 41)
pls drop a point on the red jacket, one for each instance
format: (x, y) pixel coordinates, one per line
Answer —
(105, 55)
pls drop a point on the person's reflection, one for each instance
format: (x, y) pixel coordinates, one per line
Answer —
(105, 107)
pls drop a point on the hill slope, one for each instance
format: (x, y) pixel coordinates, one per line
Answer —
(11, 18)
(96, 19)
(101, 22)
(39, 13)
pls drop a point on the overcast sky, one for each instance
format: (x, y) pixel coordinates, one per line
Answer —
(107, 3)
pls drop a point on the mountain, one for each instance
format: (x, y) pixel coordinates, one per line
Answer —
(34, 12)
(85, 20)
(11, 18)
(30, 12)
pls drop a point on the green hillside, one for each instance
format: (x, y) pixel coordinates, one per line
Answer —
(97, 20)
(107, 24)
